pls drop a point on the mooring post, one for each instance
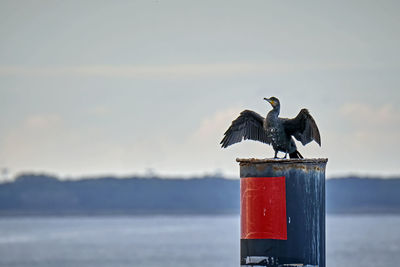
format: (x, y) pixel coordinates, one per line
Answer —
(282, 207)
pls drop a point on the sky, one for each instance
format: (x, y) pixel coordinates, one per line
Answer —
(139, 87)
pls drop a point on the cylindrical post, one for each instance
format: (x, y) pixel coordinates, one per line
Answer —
(282, 212)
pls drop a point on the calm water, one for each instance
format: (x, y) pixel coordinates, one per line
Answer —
(177, 241)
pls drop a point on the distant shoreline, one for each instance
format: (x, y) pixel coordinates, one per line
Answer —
(42, 195)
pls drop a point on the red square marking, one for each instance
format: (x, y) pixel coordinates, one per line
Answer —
(263, 208)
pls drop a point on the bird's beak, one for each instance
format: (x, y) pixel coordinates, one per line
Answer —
(272, 102)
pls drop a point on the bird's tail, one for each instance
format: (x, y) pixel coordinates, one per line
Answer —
(295, 155)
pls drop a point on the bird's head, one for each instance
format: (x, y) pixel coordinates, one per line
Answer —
(273, 101)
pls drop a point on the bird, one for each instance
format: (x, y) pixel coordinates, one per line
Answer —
(273, 130)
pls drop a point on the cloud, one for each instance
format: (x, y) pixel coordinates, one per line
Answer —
(172, 70)
(371, 115)
(205, 152)
(216, 124)
(45, 142)
(372, 132)
(99, 110)
(31, 140)
(42, 121)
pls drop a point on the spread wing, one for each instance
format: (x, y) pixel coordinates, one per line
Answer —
(302, 127)
(249, 125)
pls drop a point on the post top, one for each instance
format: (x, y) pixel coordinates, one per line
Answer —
(283, 161)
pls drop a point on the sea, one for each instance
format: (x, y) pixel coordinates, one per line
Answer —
(177, 241)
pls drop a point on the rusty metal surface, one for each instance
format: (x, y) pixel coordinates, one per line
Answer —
(279, 167)
(281, 161)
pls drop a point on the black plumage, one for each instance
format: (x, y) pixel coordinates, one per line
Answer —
(273, 130)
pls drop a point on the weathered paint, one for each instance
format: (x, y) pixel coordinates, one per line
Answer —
(305, 212)
(263, 208)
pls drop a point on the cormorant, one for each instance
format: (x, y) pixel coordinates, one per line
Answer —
(273, 130)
